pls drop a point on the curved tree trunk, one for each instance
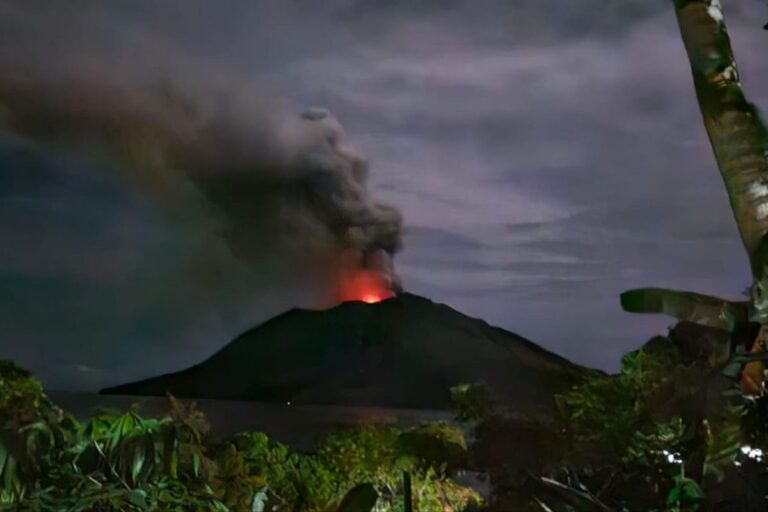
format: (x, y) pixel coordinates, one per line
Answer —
(738, 136)
(740, 143)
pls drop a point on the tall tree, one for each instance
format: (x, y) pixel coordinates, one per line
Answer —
(740, 143)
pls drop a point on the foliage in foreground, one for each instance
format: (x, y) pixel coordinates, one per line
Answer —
(671, 431)
(124, 462)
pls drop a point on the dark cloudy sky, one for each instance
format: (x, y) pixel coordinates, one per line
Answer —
(546, 156)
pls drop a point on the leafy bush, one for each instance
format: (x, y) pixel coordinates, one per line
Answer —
(381, 455)
(124, 462)
(615, 414)
(22, 399)
(668, 432)
(624, 447)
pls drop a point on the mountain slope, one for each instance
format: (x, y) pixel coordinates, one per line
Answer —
(402, 352)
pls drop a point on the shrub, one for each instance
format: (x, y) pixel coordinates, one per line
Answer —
(125, 462)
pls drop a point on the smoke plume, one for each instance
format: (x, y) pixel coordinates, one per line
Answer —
(279, 184)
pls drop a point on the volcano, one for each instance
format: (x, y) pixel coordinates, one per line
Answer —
(405, 351)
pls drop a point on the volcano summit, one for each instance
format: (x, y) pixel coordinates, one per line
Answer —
(405, 351)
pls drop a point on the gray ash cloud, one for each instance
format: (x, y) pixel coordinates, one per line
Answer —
(277, 183)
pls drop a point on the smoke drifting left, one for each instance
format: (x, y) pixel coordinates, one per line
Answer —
(277, 184)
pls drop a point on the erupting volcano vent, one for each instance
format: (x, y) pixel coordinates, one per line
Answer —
(363, 285)
(366, 277)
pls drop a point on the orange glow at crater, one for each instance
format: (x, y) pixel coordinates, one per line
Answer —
(356, 282)
(362, 285)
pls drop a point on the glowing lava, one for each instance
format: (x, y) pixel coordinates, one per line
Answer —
(363, 277)
(363, 285)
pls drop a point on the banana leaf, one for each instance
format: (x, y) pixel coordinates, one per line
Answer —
(689, 306)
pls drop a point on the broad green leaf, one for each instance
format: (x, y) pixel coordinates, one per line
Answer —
(219, 506)
(138, 462)
(686, 491)
(10, 478)
(196, 464)
(689, 306)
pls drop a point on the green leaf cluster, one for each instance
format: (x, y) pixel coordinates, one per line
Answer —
(126, 462)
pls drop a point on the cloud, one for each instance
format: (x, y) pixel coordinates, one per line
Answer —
(574, 165)
(200, 187)
(545, 158)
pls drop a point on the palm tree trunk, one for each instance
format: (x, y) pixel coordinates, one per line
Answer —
(738, 136)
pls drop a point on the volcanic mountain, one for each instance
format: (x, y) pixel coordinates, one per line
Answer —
(406, 351)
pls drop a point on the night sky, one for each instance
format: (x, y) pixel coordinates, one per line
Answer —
(545, 155)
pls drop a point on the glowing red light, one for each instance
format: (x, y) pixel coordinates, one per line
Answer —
(356, 282)
(362, 285)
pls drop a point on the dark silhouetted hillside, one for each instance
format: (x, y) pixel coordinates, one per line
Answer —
(402, 352)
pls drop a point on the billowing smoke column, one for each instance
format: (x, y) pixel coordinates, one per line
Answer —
(280, 186)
